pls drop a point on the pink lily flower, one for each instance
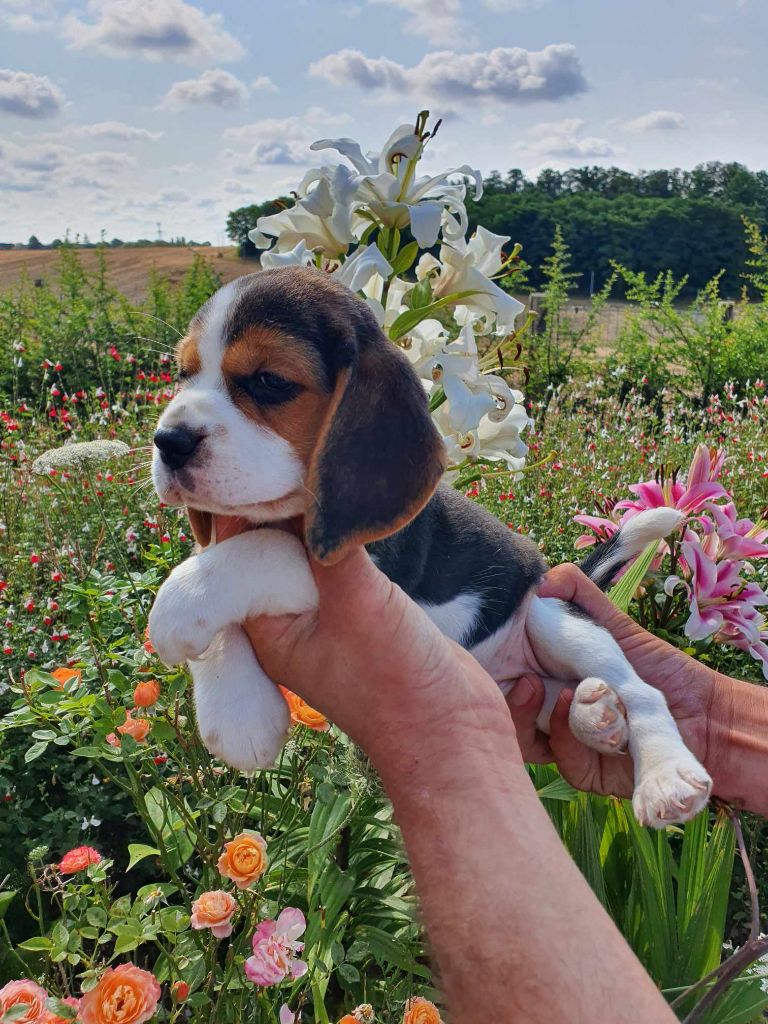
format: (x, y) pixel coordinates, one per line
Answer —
(699, 489)
(603, 530)
(737, 538)
(274, 945)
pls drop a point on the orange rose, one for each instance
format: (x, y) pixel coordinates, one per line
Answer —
(244, 859)
(420, 1011)
(214, 910)
(137, 728)
(78, 859)
(303, 714)
(349, 1019)
(146, 693)
(124, 995)
(28, 992)
(63, 675)
(147, 642)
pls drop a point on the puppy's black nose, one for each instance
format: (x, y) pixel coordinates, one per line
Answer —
(176, 446)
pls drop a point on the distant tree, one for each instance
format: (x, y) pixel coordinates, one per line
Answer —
(34, 243)
(116, 243)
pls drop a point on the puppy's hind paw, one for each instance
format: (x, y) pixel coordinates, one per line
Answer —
(673, 791)
(598, 717)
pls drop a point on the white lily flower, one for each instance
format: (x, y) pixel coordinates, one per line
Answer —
(299, 256)
(471, 394)
(318, 220)
(468, 266)
(362, 267)
(388, 311)
(501, 439)
(387, 187)
(424, 342)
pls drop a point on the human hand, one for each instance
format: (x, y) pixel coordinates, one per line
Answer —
(372, 661)
(689, 686)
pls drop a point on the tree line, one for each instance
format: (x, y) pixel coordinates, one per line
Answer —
(688, 222)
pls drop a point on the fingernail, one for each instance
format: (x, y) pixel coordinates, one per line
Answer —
(522, 692)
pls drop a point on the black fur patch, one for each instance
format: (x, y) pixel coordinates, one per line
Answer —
(599, 564)
(456, 547)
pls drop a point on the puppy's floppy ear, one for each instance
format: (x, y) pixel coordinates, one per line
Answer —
(202, 526)
(379, 456)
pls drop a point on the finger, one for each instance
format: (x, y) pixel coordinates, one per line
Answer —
(569, 583)
(525, 701)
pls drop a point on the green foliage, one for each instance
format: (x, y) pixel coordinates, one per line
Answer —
(96, 545)
(685, 222)
(562, 344)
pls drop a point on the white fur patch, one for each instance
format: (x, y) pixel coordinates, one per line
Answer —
(262, 572)
(455, 618)
(241, 715)
(670, 784)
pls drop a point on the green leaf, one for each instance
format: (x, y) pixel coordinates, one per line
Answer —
(348, 973)
(411, 317)
(35, 751)
(389, 950)
(60, 1008)
(138, 852)
(96, 916)
(558, 789)
(36, 944)
(6, 898)
(624, 591)
(405, 258)
(421, 294)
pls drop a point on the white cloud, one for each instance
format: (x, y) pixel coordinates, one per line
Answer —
(115, 130)
(566, 139)
(654, 121)
(438, 21)
(214, 88)
(152, 30)
(507, 6)
(107, 161)
(27, 15)
(263, 83)
(27, 95)
(283, 140)
(504, 74)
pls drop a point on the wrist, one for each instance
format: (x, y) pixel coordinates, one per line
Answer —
(737, 747)
(448, 748)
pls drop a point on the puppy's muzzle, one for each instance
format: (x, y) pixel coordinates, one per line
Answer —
(177, 446)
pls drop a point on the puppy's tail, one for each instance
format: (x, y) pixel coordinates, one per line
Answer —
(604, 560)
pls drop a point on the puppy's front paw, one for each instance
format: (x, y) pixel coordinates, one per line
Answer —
(598, 717)
(241, 715)
(675, 790)
(179, 626)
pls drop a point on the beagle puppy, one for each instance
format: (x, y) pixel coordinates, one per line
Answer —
(293, 403)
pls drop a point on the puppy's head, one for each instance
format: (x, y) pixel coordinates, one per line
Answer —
(293, 402)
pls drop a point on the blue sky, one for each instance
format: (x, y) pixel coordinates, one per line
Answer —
(119, 114)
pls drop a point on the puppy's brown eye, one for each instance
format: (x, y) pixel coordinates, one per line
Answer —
(269, 388)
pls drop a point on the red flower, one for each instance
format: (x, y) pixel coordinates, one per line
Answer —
(78, 860)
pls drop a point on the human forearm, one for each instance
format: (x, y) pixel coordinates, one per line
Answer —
(738, 743)
(516, 932)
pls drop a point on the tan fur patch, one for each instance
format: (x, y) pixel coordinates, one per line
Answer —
(188, 354)
(298, 421)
